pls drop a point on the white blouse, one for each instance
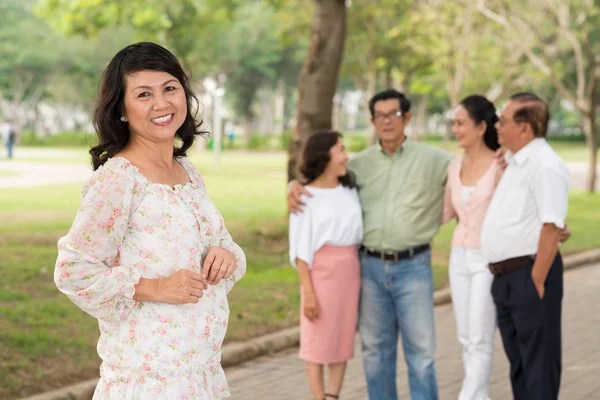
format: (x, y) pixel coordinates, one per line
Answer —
(331, 217)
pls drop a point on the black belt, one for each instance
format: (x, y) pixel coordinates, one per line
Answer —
(395, 255)
(511, 264)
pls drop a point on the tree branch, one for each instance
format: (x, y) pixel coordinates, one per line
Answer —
(563, 20)
(537, 61)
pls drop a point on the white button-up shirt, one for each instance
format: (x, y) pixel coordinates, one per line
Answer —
(533, 190)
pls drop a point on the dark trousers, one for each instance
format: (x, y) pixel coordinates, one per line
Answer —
(531, 330)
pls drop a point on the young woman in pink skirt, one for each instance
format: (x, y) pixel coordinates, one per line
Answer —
(324, 242)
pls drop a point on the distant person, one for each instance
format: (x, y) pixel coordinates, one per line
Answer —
(401, 188)
(520, 238)
(8, 134)
(472, 179)
(324, 242)
(230, 132)
(148, 254)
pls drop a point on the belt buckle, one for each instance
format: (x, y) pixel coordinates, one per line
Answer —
(394, 254)
(411, 252)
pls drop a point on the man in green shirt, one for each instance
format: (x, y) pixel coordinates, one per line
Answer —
(401, 189)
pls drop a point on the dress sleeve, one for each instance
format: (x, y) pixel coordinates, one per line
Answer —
(227, 243)
(87, 268)
(300, 237)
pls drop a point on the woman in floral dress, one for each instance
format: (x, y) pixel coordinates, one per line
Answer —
(148, 254)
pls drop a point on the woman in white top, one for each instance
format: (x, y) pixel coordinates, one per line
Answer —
(324, 242)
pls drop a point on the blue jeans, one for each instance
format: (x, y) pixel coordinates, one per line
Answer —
(398, 298)
(9, 149)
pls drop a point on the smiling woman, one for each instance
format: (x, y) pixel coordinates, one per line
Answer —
(148, 254)
(143, 88)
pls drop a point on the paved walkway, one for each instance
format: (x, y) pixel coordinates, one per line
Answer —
(282, 376)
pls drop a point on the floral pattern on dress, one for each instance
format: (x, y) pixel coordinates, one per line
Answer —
(128, 228)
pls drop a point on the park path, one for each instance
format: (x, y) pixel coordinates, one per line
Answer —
(282, 375)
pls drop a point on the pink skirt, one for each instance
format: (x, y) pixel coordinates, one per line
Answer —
(335, 276)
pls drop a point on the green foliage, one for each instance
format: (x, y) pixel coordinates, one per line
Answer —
(62, 139)
(28, 54)
(37, 64)
(250, 55)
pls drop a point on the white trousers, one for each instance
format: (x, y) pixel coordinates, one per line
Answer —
(475, 313)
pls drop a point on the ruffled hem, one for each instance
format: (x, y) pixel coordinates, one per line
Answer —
(142, 386)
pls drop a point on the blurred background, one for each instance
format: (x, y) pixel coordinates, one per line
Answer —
(265, 71)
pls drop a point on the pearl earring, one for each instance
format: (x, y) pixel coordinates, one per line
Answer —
(123, 119)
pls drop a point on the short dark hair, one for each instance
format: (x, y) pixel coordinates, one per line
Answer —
(533, 111)
(480, 109)
(315, 157)
(113, 134)
(389, 94)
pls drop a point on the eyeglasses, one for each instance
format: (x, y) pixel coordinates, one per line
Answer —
(392, 117)
(503, 121)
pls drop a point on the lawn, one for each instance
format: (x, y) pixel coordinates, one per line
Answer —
(7, 173)
(47, 342)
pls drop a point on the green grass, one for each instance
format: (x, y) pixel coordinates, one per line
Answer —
(46, 341)
(8, 173)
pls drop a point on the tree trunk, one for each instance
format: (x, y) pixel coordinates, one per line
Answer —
(247, 131)
(372, 77)
(389, 78)
(451, 86)
(288, 107)
(318, 78)
(590, 128)
(420, 125)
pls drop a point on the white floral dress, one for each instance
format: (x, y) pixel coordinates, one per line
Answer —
(127, 228)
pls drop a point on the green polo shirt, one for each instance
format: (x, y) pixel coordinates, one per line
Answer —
(401, 195)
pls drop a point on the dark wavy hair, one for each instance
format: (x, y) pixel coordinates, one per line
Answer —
(481, 110)
(113, 134)
(316, 157)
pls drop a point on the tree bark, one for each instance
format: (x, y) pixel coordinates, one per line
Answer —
(318, 78)
(590, 129)
(247, 132)
(420, 125)
(372, 73)
(591, 137)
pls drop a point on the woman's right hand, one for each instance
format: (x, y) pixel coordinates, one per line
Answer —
(311, 307)
(295, 189)
(183, 287)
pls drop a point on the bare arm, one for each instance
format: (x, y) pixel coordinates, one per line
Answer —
(547, 249)
(449, 212)
(295, 190)
(311, 307)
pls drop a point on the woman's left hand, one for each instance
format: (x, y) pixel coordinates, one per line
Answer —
(218, 264)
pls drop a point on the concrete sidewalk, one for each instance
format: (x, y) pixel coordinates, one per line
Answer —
(282, 376)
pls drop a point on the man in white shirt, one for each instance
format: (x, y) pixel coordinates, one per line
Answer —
(519, 238)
